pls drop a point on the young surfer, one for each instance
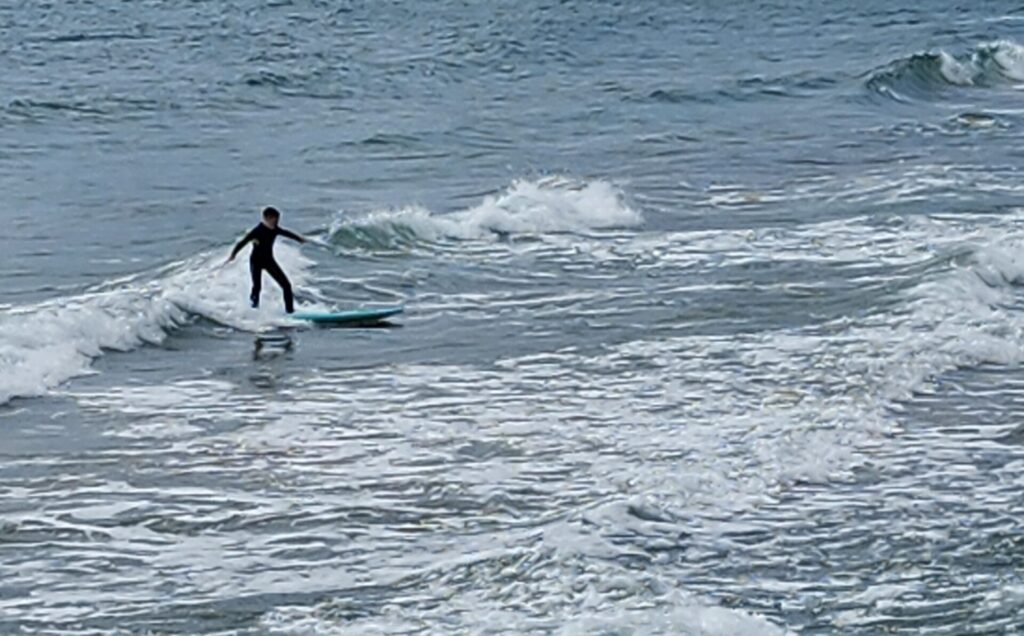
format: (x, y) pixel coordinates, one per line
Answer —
(262, 256)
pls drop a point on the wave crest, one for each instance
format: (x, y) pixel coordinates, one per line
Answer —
(552, 205)
(926, 75)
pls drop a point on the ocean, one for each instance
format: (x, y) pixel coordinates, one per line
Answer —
(714, 318)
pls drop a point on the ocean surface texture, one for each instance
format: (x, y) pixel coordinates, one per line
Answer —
(714, 318)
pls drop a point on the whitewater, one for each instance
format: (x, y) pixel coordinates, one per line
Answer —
(713, 319)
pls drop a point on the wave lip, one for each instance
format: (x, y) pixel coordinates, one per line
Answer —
(926, 75)
(526, 208)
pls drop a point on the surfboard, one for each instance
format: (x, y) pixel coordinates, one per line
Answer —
(350, 317)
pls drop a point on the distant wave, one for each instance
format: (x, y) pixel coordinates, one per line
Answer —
(526, 208)
(750, 88)
(107, 107)
(926, 75)
(316, 83)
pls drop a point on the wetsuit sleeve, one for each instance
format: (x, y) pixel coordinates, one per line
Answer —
(292, 235)
(248, 237)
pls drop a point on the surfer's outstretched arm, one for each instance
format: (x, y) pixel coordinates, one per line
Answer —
(245, 239)
(292, 235)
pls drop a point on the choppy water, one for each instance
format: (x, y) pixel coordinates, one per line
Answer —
(714, 322)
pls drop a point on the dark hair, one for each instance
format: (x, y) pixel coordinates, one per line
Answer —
(271, 213)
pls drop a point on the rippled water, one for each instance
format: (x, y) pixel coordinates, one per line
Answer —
(713, 318)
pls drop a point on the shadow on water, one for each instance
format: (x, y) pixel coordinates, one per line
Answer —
(268, 347)
(375, 324)
(1014, 437)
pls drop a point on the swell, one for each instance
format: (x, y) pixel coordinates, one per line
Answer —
(745, 89)
(922, 76)
(927, 76)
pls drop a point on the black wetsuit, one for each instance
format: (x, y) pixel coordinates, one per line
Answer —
(262, 258)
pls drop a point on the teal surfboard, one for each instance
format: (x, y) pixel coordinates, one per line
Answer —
(350, 317)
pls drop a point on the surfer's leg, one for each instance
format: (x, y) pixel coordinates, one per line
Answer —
(257, 282)
(275, 272)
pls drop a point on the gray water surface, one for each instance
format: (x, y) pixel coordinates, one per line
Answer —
(712, 320)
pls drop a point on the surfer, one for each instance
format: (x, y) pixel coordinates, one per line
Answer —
(262, 257)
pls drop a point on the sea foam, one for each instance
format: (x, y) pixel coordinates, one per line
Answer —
(45, 344)
(550, 205)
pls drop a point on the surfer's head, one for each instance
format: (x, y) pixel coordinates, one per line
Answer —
(271, 216)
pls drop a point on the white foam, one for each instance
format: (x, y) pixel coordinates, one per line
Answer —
(1010, 58)
(921, 182)
(527, 207)
(1007, 55)
(705, 426)
(705, 429)
(954, 71)
(45, 344)
(221, 292)
(683, 616)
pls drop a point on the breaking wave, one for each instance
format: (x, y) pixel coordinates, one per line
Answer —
(45, 344)
(553, 205)
(925, 75)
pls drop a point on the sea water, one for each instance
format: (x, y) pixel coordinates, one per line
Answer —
(713, 324)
